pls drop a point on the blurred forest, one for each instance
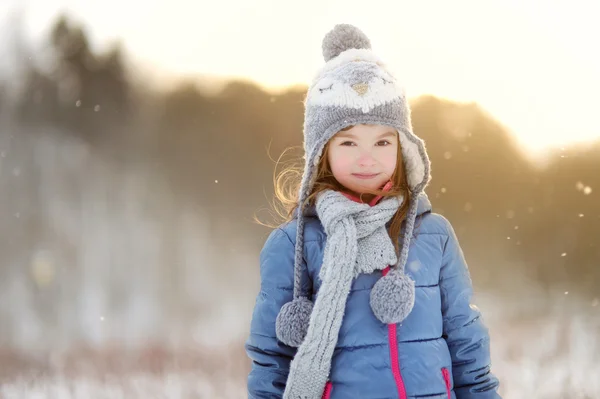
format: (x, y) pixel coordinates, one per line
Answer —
(127, 212)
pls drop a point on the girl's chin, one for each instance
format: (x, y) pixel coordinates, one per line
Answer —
(365, 187)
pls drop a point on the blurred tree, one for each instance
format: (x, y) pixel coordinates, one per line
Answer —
(86, 93)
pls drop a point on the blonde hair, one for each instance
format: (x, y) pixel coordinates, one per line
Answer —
(287, 185)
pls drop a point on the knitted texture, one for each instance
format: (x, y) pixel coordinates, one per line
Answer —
(393, 297)
(343, 38)
(292, 321)
(357, 242)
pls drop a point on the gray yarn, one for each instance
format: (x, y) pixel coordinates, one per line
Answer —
(342, 38)
(292, 321)
(357, 242)
(299, 251)
(291, 324)
(393, 297)
(408, 231)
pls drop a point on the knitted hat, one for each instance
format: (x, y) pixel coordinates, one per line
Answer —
(355, 87)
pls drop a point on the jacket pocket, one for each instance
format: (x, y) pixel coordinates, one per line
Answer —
(327, 391)
(446, 375)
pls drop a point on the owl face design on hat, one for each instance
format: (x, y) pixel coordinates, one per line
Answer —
(356, 79)
(357, 84)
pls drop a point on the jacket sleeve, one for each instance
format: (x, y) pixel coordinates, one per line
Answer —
(270, 357)
(464, 330)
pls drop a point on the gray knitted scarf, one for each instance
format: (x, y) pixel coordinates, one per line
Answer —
(357, 242)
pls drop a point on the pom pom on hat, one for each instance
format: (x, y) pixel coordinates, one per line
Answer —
(393, 297)
(341, 38)
(292, 321)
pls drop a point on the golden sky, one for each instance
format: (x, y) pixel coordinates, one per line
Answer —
(532, 64)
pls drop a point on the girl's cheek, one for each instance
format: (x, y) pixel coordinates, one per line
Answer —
(390, 160)
(343, 159)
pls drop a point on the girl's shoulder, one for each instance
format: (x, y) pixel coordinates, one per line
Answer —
(313, 229)
(429, 222)
(282, 240)
(432, 223)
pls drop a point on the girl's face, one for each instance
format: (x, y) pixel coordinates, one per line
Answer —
(363, 157)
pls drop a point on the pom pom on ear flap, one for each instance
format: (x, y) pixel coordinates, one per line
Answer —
(393, 297)
(292, 321)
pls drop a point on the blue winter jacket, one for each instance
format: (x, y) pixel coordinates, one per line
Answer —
(441, 350)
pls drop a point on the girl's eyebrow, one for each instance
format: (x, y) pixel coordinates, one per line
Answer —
(352, 136)
(388, 134)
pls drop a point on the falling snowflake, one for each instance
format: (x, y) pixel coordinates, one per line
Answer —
(581, 215)
(78, 103)
(563, 254)
(443, 189)
(587, 190)
(516, 227)
(414, 266)
(566, 292)
(447, 155)
(216, 181)
(96, 108)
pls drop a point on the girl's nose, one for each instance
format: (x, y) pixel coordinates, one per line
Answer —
(366, 159)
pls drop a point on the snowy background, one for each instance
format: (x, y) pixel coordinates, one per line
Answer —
(130, 256)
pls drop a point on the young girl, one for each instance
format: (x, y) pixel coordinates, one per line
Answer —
(365, 292)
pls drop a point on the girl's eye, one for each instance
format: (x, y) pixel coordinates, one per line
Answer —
(384, 143)
(347, 143)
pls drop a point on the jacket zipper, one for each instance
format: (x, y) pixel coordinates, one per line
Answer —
(446, 374)
(394, 355)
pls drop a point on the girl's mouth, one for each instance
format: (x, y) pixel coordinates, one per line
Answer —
(365, 175)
